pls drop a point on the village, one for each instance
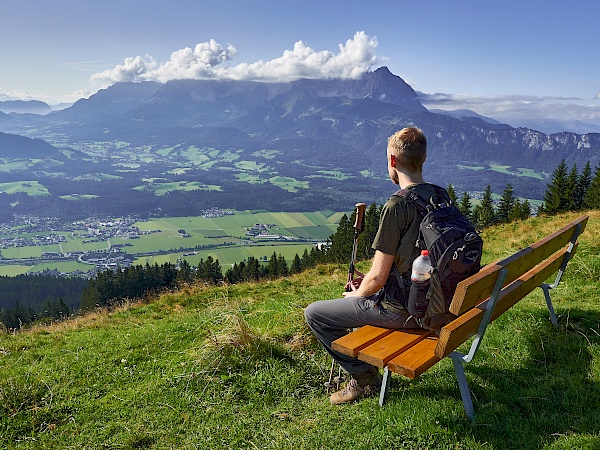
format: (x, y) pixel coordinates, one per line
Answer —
(34, 231)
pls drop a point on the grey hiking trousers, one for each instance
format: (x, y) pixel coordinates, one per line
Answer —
(331, 319)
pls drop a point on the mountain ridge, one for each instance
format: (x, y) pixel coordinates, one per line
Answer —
(341, 124)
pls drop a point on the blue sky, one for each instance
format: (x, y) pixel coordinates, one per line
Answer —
(497, 58)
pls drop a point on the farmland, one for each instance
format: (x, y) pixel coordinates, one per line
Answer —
(38, 244)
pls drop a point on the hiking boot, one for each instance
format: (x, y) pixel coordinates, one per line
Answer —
(360, 385)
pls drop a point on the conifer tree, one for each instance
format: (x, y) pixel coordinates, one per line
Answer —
(583, 184)
(569, 189)
(506, 205)
(296, 265)
(452, 194)
(525, 209)
(465, 205)
(341, 241)
(365, 239)
(555, 200)
(592, 196)
(484, 213)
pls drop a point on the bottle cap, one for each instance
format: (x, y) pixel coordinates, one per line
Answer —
(424, 252)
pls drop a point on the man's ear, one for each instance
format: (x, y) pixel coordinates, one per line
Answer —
(393, 160)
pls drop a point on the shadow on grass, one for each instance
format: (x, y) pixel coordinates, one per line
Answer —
(548, 394)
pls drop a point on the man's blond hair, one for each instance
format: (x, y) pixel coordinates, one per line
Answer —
(409, 146)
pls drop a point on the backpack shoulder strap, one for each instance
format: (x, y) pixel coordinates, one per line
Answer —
(424, 206)
(414, 198)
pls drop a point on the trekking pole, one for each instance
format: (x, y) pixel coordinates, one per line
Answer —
(359, 224)
(329, 384)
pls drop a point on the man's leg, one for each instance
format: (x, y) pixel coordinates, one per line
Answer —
(330, 320)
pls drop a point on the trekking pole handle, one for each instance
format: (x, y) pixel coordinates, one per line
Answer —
(359, 223)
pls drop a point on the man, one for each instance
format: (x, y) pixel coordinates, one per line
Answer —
(379, 297)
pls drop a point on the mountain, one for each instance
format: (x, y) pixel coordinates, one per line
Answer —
(19, 147)
(24, 107)
(327, 137)
(466, 115)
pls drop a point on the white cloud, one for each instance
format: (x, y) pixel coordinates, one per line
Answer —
(210, 60)
(547, 114)
(49, 99)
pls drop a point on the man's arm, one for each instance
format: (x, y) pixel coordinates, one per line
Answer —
(375, 278)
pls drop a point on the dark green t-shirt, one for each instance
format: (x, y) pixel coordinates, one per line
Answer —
(399, 230)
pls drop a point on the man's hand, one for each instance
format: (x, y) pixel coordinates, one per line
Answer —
(368, 284)
(352, 286)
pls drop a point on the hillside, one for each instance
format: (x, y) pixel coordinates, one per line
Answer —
(236, 367)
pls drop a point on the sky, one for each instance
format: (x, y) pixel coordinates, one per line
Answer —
(514, 59)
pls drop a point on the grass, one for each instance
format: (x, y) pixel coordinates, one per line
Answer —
(236, 367)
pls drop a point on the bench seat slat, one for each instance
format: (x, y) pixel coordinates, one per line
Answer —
(416, 360)
(386, 348)
(355, 341)
(477, 288)
(465, 326)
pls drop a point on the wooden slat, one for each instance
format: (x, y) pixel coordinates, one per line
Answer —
(478, 287)
(416, 360)
(465, 326)
(386, 348)
(355, 341)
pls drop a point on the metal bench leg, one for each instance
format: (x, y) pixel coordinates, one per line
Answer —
(385, 385)
(462, 385)
(546, 288)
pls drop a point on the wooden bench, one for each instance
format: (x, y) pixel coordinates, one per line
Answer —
(477, 301)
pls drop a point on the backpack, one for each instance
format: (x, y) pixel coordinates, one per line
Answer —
(455, 250)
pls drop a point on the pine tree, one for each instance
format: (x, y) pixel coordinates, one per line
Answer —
(554, 198)
(452, 193)
(296, 265)
(465, 205)
(525, 210)
(365, 239)
(506, 205)
(569, 189)
(341, 241)
(484, 213)
(592, 196)
(583, 184)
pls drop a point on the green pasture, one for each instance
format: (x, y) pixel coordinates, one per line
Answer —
(97, 177)
(13, 270)
(518, 171)
(14, 165)
(32, 188)
(62, 266)
(78, 196)
(332, 174)
(163, 188)
(288, 183)
(29, 252)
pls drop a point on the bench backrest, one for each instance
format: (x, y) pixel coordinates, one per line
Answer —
(526, 270)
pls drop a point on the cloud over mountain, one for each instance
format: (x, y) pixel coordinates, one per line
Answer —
(547, 114)
(209, 60)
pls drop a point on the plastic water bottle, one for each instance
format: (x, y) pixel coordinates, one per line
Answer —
(417, 296)
(421, 268)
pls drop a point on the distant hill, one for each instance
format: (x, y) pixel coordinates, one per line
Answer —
(24, 107)
(13, 146)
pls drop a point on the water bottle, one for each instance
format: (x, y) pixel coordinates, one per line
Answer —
(417, 296)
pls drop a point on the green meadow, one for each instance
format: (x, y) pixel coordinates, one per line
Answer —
(236, 367)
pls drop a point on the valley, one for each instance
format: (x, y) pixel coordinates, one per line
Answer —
(32, 244)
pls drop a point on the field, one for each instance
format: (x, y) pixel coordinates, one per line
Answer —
(223, 238)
